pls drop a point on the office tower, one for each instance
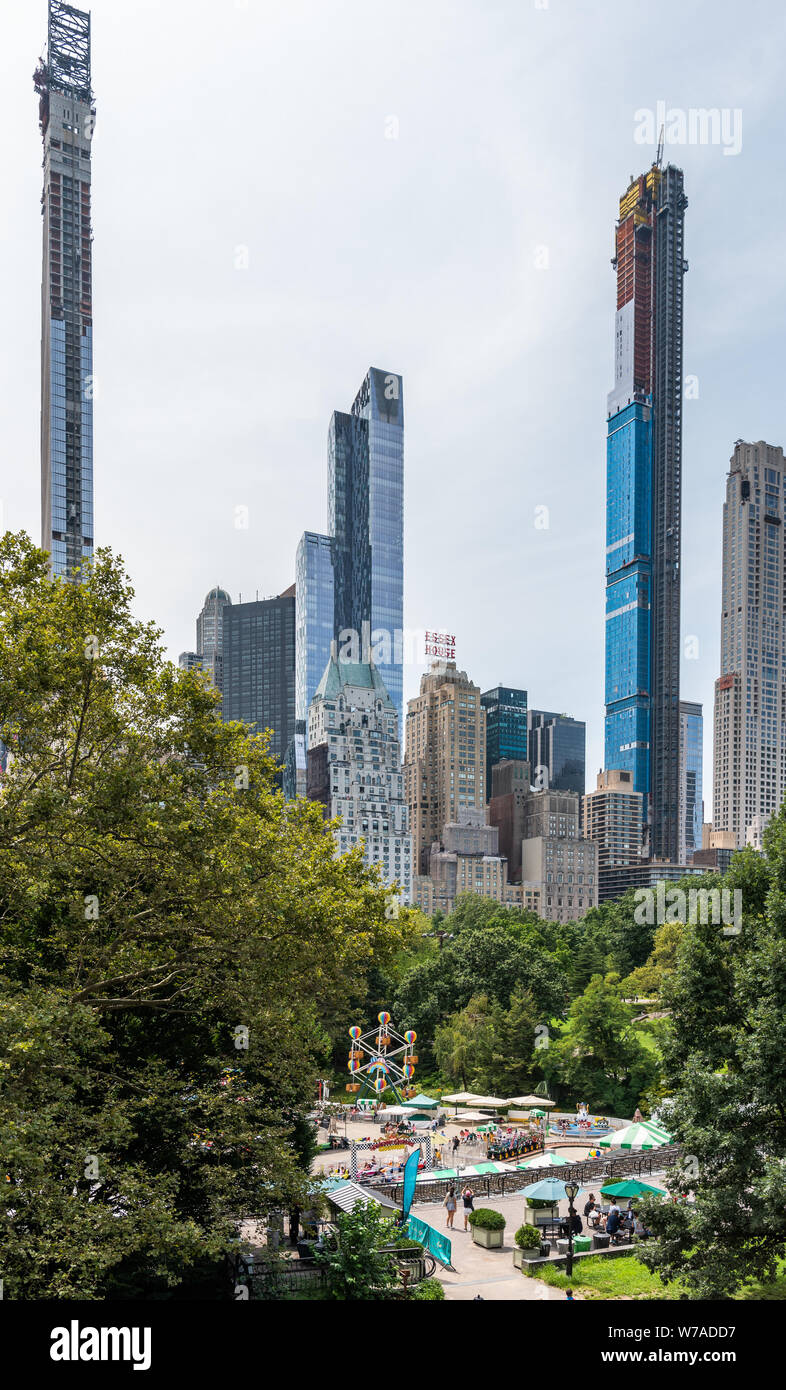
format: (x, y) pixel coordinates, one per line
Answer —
(313, 616)
(691, 779)
(510, 786)
(191, 661)
(556, 858)
(258, 651)
(366, 524)
(750, 726)
(354, 767)
(557, 751)
(294, 778)
(67, 118)
(613, 819)
(209, 629)
(445, 758)
(467, 860)
(643, 500)
(506, 726)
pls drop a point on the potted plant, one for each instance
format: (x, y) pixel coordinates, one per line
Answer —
(488, 1227)
(527, 1245)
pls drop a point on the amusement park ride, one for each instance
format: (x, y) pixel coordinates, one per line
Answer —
(382, 1060)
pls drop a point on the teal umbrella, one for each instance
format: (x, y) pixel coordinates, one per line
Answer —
(631, 1187)
(548, 1190)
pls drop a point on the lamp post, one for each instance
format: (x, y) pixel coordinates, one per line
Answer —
(571, 1191)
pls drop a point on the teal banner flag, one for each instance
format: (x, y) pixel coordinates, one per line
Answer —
(410, 1177)
(437, 1245)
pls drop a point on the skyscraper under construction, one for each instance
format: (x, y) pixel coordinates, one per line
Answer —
(67, 117)
(643, 501)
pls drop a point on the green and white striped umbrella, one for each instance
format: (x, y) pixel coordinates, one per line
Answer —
(642, 1136)
(546, 1160)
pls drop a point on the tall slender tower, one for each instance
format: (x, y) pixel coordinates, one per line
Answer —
(749, 781)
(643, 502)
(366, 525)
(67, 118)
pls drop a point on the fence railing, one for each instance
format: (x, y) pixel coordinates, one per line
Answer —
(590, 1171)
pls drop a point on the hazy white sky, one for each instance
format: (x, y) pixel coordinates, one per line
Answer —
(266, 124)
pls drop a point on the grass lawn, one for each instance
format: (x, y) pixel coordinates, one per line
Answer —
(627, 1278)
(601, 1277)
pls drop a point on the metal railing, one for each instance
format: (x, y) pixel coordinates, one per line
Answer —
(597, 1171)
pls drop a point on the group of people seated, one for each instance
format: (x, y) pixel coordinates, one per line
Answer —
(619, 1225)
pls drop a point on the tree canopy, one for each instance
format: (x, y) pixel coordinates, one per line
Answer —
(173, 938)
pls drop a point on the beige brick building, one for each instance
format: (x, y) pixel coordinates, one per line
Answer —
(445, 758)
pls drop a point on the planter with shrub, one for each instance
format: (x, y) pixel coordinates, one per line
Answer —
(527, 1245)
(539, 1213)
(488, 1227)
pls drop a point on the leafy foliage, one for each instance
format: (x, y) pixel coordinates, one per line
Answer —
(171, 933)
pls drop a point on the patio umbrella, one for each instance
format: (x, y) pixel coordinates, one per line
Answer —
(547, 1190)
(487, 1129)
(421, 1102)
(459, 1097)
(631, 1187)
(643, 1136)
(537, 1114)
(531, 1100)
(546, 1160)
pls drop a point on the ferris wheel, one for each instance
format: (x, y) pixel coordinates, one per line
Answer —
(382, 1059)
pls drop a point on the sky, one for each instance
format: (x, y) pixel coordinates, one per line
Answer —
(286, 192)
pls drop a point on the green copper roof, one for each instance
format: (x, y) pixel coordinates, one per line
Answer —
(340, 674)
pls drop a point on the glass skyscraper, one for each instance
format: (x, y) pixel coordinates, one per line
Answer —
(557, 752)
(67, 118)
(366, 524)
(643, 501)
(314, 628)
(506, 727)
(258, 660)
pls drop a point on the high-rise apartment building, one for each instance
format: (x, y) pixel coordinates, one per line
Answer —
(445, 758)
(691, 779)
(643, 500)
(366, 525)
(613, 819)
(67, 117)
(555, 857)
(467, 860)
(506, 726)
(510, 788)
(314, 620)
(354, 767)
(749, 782)
(557, 751)
(258, 660)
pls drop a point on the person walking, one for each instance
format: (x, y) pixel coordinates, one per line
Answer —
(450, 1205)
(468, 1198)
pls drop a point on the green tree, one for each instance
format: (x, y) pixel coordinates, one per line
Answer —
(596, 1057)
(725, 1062)
(492, 960)
(170, 931)
(648, 979)
(358, 1267)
